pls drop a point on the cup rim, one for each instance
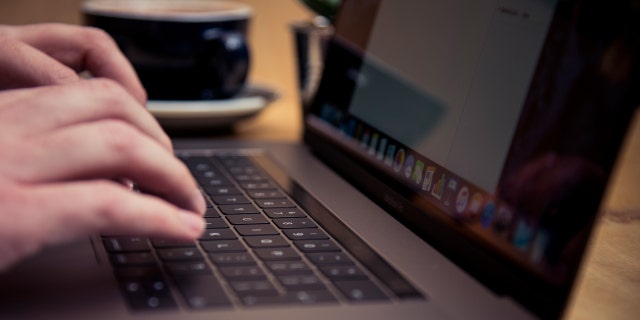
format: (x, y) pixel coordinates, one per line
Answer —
(110, 8)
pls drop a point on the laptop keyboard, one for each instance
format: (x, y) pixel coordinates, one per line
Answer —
(259, 248)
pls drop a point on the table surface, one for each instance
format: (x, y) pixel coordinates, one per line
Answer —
(609, 285)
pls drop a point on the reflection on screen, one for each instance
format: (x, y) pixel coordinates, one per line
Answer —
(504, 115)
(474, 61)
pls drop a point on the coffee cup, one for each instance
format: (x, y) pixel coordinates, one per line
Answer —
(181, 49)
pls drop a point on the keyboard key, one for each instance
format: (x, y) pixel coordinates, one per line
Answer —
(223, 246)
(188, 268)
(169, 243)
(197, 164)
(214, 182)
(268, 241)
(294, 223)
(218, 234)
(137, 272)
(265, 194)
(250, 177)
(236, 161)
(317, 246)
(243, 273)
(175, 254)
(126, 244)
(238, 208)
(213, 179)
(148, 294)
(202, 291)
(256, 230)
(221, 190)
(230, 199)
(301, 281)
(241, 219)
(253, 287)
(232, 259)
(133, 258)
(360, 290)
(256, 185)
(271, 254)
(288, 267)
(305, 234)
(329, 258)
(202, 176)
(215, 223)
(274, 203)
(293, 297)
(275, 213)
(245, 169)
(343, 273)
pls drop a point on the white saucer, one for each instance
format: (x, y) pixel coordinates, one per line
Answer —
(200, 114)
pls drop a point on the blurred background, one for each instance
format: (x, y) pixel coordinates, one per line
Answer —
(610, 285)
(270, 38)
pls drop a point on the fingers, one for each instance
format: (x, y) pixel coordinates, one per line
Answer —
(81, 48)
(47, 214)
(111, 149)
(108, 208)
(88, 130)
(24, 66)
(37, 110)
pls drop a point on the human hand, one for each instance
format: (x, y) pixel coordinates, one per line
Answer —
(51, 53)
(64, 147)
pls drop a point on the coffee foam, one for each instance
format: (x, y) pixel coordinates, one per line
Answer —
(169, 10)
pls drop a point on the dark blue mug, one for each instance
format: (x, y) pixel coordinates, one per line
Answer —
(181, 50)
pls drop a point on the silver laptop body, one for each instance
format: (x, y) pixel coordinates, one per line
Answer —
(419, 148)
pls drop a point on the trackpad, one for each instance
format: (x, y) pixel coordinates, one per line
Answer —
(59, 278)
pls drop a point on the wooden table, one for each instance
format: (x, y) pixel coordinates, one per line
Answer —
(609, 286)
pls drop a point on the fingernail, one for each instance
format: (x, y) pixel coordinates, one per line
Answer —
(193, 221)
(200, 202)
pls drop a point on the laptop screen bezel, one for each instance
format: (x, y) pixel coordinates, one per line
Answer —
(502, 276)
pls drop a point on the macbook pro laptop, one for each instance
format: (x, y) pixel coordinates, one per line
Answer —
(454, 160)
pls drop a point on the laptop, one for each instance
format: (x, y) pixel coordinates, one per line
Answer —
(454, 159)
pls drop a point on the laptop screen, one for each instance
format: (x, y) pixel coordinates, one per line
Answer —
(489, 127)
